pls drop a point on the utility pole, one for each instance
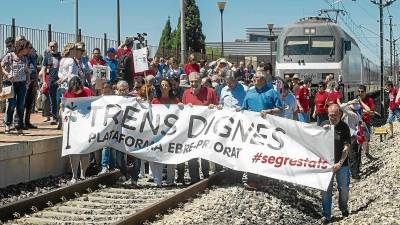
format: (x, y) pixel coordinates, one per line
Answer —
(77, 20)
(183, 33)
(381, 7)
(391, 47)
(118, 25)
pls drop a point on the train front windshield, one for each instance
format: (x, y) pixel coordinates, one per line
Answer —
(309, 45)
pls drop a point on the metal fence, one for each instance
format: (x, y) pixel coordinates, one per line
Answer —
(40, 38)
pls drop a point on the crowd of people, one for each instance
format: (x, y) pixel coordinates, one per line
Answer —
(217, 84)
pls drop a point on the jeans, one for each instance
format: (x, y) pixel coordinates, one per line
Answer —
(108, 156)
(303, 117)
(136, 168)
(194, 169)
(54, 98)
(321, 118)
(355, 158)
(45, 105)
(18, 102)
(120, 162)
(343, 184)
(30, 99)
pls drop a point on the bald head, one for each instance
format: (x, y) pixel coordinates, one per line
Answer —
(334, 113)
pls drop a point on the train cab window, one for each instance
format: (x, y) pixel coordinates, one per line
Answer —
(322, 46)
(297, 45)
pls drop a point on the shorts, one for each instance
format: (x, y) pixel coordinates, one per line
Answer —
(393, 114)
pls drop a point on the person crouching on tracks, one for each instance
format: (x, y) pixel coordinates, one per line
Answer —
(394, 109)
(368, 108)
(340, 168)
(76, 90)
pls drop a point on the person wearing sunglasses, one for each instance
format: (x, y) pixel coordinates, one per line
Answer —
(10, 44)
(368, 108)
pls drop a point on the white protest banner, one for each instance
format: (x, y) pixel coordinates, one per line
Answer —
(140, 60)
(275, 147)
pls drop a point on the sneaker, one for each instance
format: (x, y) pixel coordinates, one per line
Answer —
(53, 122)
(103, 170)
(121, 180)
(20, 131)
(30, 126)
(134, 183)
(72, 181)
(181, 180)
(46, 120)
(7, 129)
(325, 220)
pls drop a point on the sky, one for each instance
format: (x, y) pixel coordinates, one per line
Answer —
(97, 17)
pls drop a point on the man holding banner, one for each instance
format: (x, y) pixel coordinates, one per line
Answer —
(340, 168)
(197, 95)
(264, 99)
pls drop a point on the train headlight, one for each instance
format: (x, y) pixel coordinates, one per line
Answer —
(309, 31)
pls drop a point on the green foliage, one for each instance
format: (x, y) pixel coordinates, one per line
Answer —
(166, 39)
(195, 39)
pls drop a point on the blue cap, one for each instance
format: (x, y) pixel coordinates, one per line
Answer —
(111, 50)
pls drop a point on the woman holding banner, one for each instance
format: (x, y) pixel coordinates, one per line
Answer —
(164, 95)
(76, 90)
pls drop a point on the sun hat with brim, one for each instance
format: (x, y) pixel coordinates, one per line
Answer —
(80, 46)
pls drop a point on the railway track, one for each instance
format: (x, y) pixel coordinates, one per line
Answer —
(100, 200)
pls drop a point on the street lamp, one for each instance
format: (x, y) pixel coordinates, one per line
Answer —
(221, 7)
(270, 27)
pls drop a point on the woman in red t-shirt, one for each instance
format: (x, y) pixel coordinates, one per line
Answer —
(335, 96)
(77, 90)
(164, 95)
(320, 109)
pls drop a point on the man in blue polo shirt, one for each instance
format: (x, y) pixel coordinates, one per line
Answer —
(233, 94)
(264, 99)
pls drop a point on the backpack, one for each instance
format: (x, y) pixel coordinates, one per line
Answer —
(124, 70)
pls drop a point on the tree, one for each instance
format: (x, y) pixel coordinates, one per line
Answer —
(166, 38)
(195, 39)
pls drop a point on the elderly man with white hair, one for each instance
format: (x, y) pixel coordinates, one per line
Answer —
(197, 95)
(232, 95)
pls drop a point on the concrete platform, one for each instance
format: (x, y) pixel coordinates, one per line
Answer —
(34, 155)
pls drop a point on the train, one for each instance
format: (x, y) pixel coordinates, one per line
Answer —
(316, 47)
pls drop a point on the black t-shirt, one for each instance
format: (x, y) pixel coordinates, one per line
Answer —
(342, 137)
(52, 62)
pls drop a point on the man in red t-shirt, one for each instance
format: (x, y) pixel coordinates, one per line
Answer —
(192, 66)
(368, 108)
(394, 110)
(197, 95)
(303, 101)
(320, 102)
